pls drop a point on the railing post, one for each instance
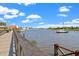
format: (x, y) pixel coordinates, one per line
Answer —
(56, 49)
(77, 53)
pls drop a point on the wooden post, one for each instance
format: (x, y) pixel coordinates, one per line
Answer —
(77, 53)
(56, 49)
(24, 35)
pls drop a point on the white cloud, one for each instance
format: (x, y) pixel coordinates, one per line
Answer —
(1, 19)
(27, 4)
(3, 10)
(57, 25)
(7, 11)
(50, 25)
(41, 23)
(13, 11)
(62, 15)
(26, 21)
(33, 16)
(21, 14)
(10, 16)
(64, 9)
(67, 22)
(74, 21)
(19, 3)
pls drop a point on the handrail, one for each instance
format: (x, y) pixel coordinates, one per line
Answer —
(57, 48)
(24, 47)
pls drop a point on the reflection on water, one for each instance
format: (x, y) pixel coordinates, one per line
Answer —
(46, 38)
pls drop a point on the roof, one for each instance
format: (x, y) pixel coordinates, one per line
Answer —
(2, 26)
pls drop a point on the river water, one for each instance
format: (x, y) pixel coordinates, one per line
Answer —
(47, 38)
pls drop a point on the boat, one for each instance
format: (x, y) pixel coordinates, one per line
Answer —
(61, 31)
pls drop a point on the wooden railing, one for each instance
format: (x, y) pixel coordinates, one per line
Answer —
(24, 48)
(58, 48)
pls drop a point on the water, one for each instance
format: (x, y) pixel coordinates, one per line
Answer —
(47, 38)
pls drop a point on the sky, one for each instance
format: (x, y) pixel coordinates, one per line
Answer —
(40, 15)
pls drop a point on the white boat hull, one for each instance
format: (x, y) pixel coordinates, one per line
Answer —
(61, 31)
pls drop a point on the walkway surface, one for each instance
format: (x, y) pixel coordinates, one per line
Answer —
(5, 42)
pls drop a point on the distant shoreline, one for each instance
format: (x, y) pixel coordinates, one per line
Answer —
(66, 28)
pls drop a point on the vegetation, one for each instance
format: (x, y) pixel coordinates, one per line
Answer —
(65, 28)
(7, 31)
(34, 42)
(2, 24)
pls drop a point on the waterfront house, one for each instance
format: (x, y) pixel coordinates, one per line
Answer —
(3, 27)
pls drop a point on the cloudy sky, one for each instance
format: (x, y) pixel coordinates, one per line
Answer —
(40, 14)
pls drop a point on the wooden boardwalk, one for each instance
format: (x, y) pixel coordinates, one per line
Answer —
(5, 42)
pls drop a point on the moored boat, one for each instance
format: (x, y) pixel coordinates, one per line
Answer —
(61, 31)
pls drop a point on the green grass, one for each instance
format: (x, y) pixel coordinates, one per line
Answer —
(66, 28)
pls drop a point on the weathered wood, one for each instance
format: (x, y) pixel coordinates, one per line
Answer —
(68, 54)
(66, 49)
(61, 51)
(24, 47)
(77, 53)
(56, 49)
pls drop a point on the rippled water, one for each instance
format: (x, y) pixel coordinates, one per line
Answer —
(46, 38)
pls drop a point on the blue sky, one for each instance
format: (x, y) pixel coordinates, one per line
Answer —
(40, 14)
